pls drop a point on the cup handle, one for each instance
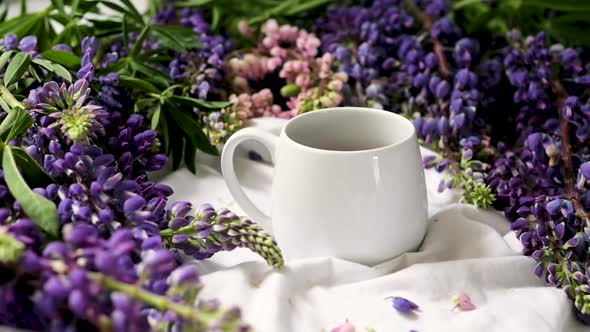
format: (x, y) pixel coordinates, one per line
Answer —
(229, 174)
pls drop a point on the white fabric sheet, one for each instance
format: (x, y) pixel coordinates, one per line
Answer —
(465, 250)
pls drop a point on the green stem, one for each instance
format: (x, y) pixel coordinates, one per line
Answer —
(9, 97)
(166, 233)
(159, 302)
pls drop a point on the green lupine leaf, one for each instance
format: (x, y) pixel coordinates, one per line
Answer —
(151, 72)
(572, 17)
(59, 5)
(135, 13)
(175, 142)
(156, 117)
(35, 74)
(5, 57)
(165, 122)
(3, 13)
(18, 23)
(28, 26)
(24, 83)
(16, 68)
(63, 58)
(145, 104)
(190, 153)
(138, 44)
(16, 122)
(120, 9)
(200, 104)
(306, 5)
(44, 63)
(31, 170)
(4, 105)
(135, 83)
(63, 72)
(39, 209)
(102, 24)
(192, 3)
(561, 5)
(176, 38)
(465, 3)
(125, 27)
(74, 6)
(216, 17)
(192, 129)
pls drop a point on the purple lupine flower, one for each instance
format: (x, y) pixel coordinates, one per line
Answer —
(67, 107)
(403, 305)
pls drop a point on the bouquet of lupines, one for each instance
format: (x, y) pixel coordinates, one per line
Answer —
(541, 179)
(408, 58)
(87, 241)
(283, 76)
(510, 121)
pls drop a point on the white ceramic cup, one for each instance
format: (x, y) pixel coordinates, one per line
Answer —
(348, 182)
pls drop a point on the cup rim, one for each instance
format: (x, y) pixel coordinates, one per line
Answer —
(406, 122)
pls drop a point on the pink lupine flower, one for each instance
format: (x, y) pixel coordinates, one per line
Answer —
(346, 327)
(463, 302)
(245, 29)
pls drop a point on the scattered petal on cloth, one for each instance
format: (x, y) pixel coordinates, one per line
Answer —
(346, 327)
(402, 305)
(463, 302)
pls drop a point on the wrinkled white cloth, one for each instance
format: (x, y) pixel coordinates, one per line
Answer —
(465, 250)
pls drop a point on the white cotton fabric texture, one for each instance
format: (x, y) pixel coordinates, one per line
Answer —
(465, 250)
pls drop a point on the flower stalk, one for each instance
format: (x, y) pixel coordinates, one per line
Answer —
(439, 49)
(159, 302)
(570, 177)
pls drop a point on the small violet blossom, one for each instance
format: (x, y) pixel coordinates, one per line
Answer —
(402, 304)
